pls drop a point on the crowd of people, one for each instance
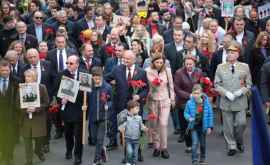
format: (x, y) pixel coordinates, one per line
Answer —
(149, 60)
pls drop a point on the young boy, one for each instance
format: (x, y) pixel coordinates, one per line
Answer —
(131, 129)
(99, 102)
(199, 114)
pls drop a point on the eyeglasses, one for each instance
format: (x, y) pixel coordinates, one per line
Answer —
(38, 17)
(69, 63)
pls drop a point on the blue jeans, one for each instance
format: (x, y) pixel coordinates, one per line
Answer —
(198, 138)
(132, 147)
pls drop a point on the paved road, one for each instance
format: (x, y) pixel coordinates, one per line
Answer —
(216, 153)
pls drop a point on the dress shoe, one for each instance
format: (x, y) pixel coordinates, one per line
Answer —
(176, 132)
(77, 161)
(156, 153)
(240, 147)
(140, 158)
(165, 154)
(68, 155)
(231, 152)
(181, 138)
(46, 148)
(40, 156)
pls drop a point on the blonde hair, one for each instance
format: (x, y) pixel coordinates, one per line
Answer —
(211, 45)
(157, 44)
(31, 72)
(259, 38)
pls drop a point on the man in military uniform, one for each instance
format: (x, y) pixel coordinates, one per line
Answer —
(233, 82)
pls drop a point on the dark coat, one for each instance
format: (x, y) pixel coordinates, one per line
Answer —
(31, 30)
(95, 62)
(256, 62)
(168, 36)
(30, 41)
(36, 127)
(99, 96)
(6, 37)
(72, 111)
(9, 115)
(216, 60)
(123, 93)
(183, 84)
(265, 82)
(110, 64)
(175, 58)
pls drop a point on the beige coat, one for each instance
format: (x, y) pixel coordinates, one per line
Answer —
(36, 127)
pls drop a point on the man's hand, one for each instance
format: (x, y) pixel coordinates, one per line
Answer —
(64, 101)
(31, 110)
(84, 108)
(230, 96)
(238, 93)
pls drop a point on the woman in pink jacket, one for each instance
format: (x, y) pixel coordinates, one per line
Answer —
(161, 98)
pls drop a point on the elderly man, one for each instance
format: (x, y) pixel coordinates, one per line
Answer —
(29, 40)
(8, 113)
(233, 82)
(72, 113)
(15, 63)
(122, 74)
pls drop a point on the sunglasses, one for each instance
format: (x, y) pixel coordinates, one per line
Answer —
(38, 17)
(70, 63)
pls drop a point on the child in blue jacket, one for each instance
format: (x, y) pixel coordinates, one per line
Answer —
(99, 102)
(199, 114)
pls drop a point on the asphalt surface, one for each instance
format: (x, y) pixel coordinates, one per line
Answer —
(216, 153)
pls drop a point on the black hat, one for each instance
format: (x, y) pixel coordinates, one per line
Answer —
(6, 19)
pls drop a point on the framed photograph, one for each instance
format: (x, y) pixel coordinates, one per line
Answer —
(29, 95)
(227, 8)
(68, 89)
(85, 82)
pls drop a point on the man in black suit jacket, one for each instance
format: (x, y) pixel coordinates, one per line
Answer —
(101, 27)
(177, 25)
(38, 28)
(114, 61)
(58, 58)
(121, 75)
(220, 56)
(172, 50)
(72, 113)
(9, 113)
(88, 59)
(16, 64)
(29, 40)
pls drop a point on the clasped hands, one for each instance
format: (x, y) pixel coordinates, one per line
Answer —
(232, 96)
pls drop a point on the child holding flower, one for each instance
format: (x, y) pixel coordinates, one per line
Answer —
(199, 114)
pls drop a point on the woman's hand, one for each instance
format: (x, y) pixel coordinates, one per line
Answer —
(31, 110)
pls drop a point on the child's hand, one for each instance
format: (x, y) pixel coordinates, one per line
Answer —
(209, 131)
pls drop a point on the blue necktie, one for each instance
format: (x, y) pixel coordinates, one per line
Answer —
(61, 63)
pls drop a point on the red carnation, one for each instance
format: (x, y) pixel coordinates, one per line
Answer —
(110, 50)
(54, 108)
(156, 82)
(48, 30)
(136, 85)
(200, 109)
(152, 116)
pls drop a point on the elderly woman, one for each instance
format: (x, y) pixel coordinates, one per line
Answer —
(34, 128)
(160, 99)
(184, 79)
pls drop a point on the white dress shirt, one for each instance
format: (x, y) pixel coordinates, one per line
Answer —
(132, 69)
(179, 47)
(64, 54)
(224, 56)
(239, 37)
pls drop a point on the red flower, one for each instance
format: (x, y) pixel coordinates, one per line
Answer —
(207, 86)
(48, 31)
(200, 109)
(152, 116)
(54, 108)
(156, 82)
(104, 97)
(136, 85)
(110, 50)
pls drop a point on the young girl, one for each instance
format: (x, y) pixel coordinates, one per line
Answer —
(131, 129)
(199, 114)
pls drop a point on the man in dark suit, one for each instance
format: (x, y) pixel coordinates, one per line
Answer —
(8, 34)
(172, 50)
(16, 65)
(176, 25)
(88, 59)
(45, 76)
(29, 40)
(220, 56)
(116, 60)
(101, 27)
(8, 113)
(38, 28)
(154, 26)
(121, 75)
(72, 113)
(58, 58)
